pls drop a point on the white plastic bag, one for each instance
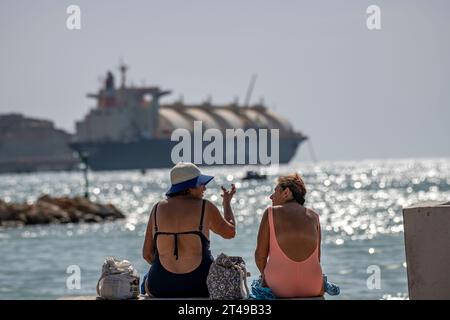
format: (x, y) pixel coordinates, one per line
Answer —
(119, 280)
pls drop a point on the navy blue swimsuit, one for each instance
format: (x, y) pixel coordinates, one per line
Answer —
(165, 284)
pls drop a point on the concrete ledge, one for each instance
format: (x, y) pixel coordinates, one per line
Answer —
(142, 297)
(427, 246)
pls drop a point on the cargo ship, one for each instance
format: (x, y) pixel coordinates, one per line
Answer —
(129, 128)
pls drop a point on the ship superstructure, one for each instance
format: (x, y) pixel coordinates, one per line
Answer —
(130, 129)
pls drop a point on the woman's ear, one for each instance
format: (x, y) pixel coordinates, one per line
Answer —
(286, 193)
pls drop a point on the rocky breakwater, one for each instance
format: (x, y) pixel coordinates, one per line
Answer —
(48, 210)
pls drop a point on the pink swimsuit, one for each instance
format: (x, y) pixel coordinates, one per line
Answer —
(288, 278)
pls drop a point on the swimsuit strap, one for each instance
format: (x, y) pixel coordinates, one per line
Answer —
(156, 225)
(203, 213)
(175, 234)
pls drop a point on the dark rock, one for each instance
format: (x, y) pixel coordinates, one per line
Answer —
(45, 198)
(57, 210)
(35, 216)
(18, 208)
(5, 213)
(116, 213)
(91, 218)
(74, 214)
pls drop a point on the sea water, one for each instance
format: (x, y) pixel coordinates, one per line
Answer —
(360, 206)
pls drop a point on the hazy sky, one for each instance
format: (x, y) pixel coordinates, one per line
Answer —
(357, 93)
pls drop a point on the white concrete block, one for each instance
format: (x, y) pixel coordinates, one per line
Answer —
(427, 244)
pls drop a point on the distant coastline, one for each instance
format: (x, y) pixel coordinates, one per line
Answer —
(30, 144)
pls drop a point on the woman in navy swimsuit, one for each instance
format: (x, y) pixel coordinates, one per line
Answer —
(177, 237)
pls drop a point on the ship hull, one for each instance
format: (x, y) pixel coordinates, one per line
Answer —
(156, 153)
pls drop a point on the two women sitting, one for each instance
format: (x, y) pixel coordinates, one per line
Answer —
(177, 238)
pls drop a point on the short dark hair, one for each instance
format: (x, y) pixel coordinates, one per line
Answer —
(295, 183)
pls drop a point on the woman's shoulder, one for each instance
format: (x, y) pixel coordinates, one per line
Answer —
(311, 211)
(161, 202)
(312, 214)
(209, 204)
(269, 209)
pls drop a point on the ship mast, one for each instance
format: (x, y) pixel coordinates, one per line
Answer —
(123, 73)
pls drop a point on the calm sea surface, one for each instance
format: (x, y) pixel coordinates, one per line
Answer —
(360, 206)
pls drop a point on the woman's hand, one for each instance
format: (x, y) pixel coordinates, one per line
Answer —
(228, 195)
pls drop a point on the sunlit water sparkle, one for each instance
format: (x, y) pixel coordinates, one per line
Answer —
(360, 206)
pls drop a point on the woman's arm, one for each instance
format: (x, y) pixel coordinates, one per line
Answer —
(262, 245)
(221, 225)
(224, 226)
(147, 250)
(226, 201)
(320, 235)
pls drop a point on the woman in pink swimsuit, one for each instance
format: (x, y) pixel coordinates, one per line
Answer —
(288, 247)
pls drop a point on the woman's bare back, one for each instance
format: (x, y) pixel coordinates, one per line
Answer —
(296, 230)
(180, 214)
